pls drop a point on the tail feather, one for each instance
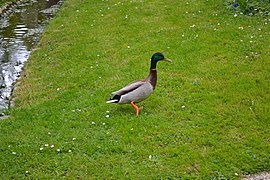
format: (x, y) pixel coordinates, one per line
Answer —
(115, 99)
(112, 101)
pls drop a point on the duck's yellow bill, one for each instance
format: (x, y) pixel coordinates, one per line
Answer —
(167, 59)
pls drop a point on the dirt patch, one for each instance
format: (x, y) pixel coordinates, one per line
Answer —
(260, 176)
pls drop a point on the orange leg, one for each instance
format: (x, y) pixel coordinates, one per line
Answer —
(137, 109)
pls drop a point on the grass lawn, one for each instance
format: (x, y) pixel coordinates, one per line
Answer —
(2, 2)
(208, 117)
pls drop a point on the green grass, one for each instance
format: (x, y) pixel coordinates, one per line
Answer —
(5, 1)
(207, 119)
(2, 2)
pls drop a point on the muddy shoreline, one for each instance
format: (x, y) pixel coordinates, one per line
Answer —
(9, 6)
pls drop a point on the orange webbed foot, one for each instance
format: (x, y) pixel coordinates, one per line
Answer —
(136, 108)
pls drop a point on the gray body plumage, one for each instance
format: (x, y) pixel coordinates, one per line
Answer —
(143, 90)
(136, 91)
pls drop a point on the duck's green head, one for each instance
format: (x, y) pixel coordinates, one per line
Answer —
(158, 57)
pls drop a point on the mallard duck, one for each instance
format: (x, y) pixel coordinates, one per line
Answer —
(139, 90)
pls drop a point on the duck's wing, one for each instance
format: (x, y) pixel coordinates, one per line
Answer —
(130, 87)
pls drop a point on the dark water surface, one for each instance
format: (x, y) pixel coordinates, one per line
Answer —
(20, 31)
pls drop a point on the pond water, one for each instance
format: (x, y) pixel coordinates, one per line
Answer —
(21, 26)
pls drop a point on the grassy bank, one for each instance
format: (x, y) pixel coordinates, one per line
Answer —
(2, 2)
(208, 117)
